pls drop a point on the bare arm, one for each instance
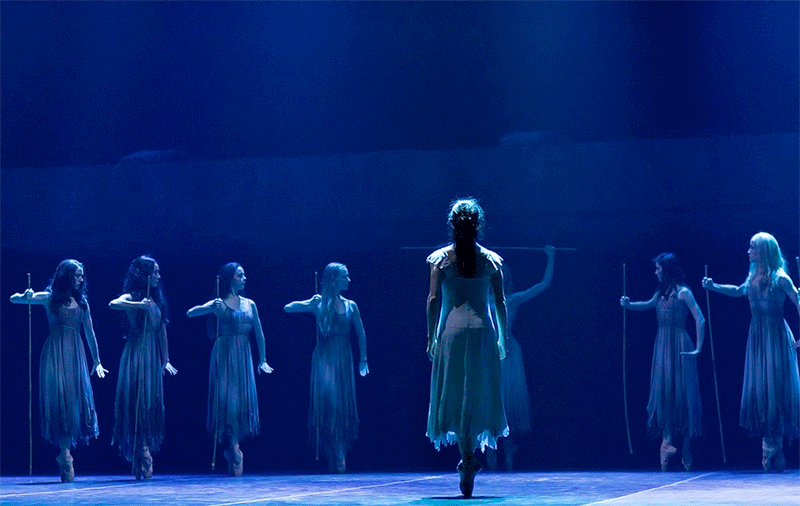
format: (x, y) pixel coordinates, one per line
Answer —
(215, 307)
(500, 311)
(786, 284)
(303, 306)
(165, 351)
(363, 368)
(91, 340)
(639, 306)
(520, 298)
(433, 308)
(259, 331)
(31, 297)
(124, 302)
(687, 297)
(729, 290)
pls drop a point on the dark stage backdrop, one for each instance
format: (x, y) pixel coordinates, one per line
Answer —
(285, 218)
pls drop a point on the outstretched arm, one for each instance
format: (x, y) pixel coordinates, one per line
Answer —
(523, 297)
(124, 302)
(786, 284)
(433, 307)
(304, 306)
(500, 311)
(638, 306)
(91, 340)
(262, 360)
(363, 368)
(699, 322)
(729, 290)
(31, 297)
(216, 307)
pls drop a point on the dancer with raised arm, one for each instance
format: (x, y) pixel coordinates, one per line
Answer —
(674, 409)
(770, 405)
(466, 403)
(139, 407)
(66, 402)
(516, 399)
(232, 397)
(333, 416)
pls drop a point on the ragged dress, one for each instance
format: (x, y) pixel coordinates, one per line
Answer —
(333, 417)
(771, 389)
(66, 403)
(466, 400)
(674, 407)
(139, 407)
(232, 400)
(516, 399)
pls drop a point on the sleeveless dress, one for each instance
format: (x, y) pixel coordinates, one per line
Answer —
(674, 406)
(771, 389)
(139, 407)
(333, 416)
(516, 398)
(66, 402)
(466, 399)
(232, 399)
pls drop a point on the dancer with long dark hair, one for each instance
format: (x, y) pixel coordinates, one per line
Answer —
(466, 404)
(333, 416)
(139, 407)
(770, 405)
(674, 409)
(66, 402)
(232, 397)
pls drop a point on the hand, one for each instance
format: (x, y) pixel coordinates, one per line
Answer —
(101, 372)
(168, 367)
(431, 349)
(316, 299)
(146, 304)
(708, 283)
(264, 366)
(624, 301)
(549, 250)
(363, 368)
(218, 307)
(692, 353)
(28, 294)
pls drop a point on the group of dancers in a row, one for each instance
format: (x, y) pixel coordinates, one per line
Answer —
(478, 392)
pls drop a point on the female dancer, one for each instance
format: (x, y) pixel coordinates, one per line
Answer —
(139, 408)
(516, 399)
(333, 417)
(771, 391)
(232, 399)
(66, 403)
(466, 404)
(674, 408)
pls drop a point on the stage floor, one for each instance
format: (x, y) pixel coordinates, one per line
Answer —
(566, 488)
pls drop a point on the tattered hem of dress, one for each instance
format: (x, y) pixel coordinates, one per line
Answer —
(482, 440)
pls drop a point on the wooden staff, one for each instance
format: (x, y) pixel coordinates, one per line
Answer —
(216, 401)
(30, 387)
(139, 386)
(624, 346)
(316, 411)
(714, 369)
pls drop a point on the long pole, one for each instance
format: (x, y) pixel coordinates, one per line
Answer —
(30, 387)
(624, 352)
(714, 369)
(316, 408)
(216, 401)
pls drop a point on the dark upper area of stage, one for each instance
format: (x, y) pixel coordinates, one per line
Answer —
(93, 82)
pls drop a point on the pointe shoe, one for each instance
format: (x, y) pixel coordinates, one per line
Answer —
(466, 474)
(341, 465)
(65, 465)
(143, 464)
(768, 451)
(235, 459)
(667, 451)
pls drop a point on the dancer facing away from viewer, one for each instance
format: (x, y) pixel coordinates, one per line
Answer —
(232, 398)
(770, 405)
(674, 409)
(516, 399)
(66, 402)
(333, 416)
(139, 406)
(466, 404)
